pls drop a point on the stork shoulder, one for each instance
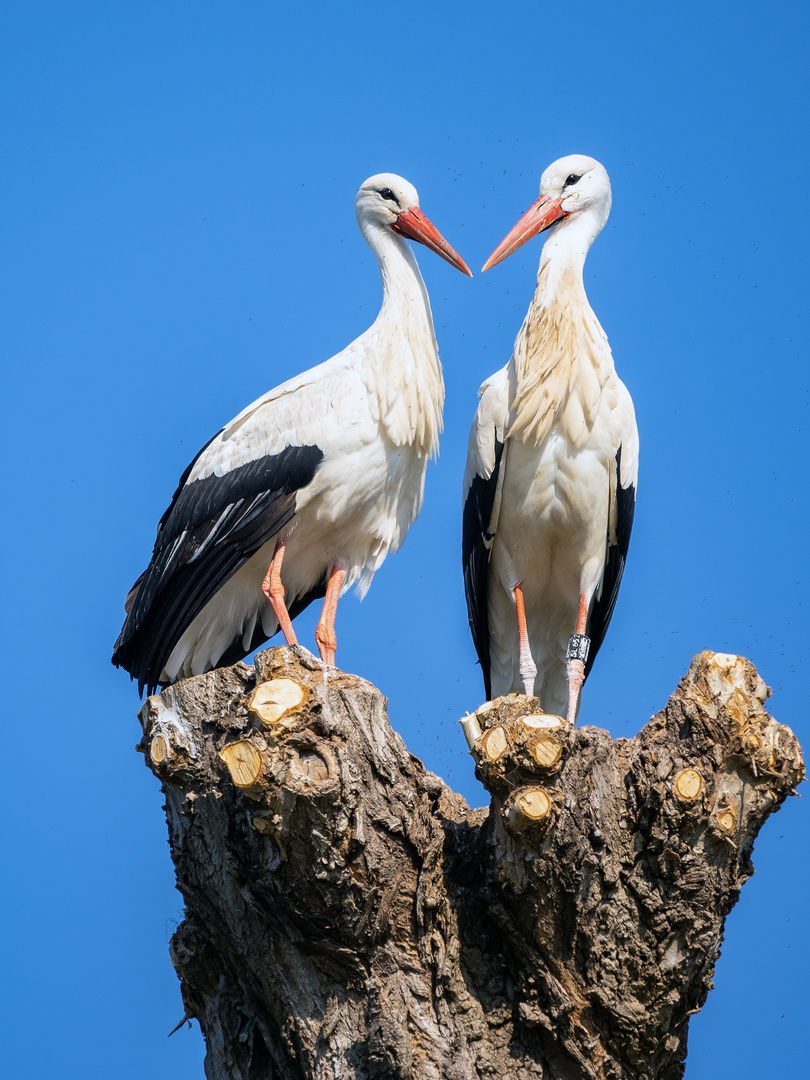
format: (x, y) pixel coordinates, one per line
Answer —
(488, 427)
(317, 408)
(624, 421)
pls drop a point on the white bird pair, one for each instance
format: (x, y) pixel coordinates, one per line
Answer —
(325, 474)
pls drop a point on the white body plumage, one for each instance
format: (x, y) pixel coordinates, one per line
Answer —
(552, 463)
(334, 461)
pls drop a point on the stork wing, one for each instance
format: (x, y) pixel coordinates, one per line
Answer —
(623, 482)
(238, 492)
(483, 482)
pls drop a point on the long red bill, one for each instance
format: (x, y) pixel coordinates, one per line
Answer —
(538, 217)
(413, 224)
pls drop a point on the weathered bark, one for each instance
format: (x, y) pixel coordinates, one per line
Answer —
(347, 915)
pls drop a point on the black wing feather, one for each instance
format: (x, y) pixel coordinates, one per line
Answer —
(602, 610)
(475, 549)
(210, 529)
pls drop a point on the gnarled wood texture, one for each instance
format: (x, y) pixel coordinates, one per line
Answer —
(348, 916)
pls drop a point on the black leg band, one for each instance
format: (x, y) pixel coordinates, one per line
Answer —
(578, 647)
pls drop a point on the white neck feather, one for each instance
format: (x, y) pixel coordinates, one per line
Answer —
(401, 364)
(562, 360)
(562, 259)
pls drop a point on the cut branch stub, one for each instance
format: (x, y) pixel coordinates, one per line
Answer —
(272, 700)
(312, 766)
(170, 743)
(471, 727)
(546, 753)
(518, 747)
(528, 808)
(493, 744)
(725, 816)
(535, 722)
(244, 761)
(158, 749)
(688, 785)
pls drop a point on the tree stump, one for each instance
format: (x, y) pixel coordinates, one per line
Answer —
(348, 915)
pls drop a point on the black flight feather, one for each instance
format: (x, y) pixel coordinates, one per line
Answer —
(616, 556)
(209, 531)
(476, 544)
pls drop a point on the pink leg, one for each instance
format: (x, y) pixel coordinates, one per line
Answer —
(325, 630)
(576, 655)
(274, 591)
(528, 669)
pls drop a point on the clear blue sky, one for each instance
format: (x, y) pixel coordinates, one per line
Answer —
(179, 236)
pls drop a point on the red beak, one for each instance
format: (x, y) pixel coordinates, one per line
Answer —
(413, 224)
(538, 217)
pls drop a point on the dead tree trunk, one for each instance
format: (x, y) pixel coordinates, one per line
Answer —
(348, 916)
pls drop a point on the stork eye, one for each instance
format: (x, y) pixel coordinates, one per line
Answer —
(571, 180)
(387, 193)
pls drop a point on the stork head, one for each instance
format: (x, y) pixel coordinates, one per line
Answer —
(571, 188)
(388, 201)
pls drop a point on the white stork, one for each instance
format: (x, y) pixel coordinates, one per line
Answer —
(549, 488)
(326, 473)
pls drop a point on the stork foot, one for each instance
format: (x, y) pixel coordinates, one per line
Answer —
(527, 666)
(326, 647)
(575, 656)
(325, 631)
(274, 591)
